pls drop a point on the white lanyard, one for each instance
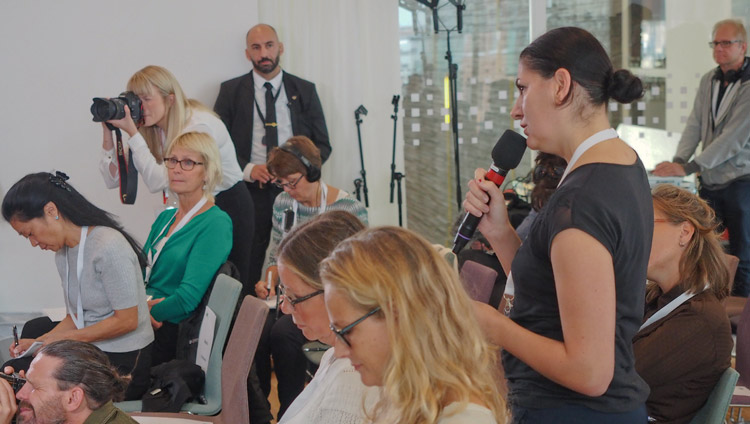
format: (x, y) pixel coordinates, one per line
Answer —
(323, 198)
(152, 258)
(669, 307)
(590, 142)
(587, 144)
(78, 315)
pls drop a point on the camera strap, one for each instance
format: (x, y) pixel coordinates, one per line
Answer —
(128, 172)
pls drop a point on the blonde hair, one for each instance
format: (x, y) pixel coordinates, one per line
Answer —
(178, 112)
(306, 245)
(739, 28)
(204, 145)
(439, 354)
(703, 260)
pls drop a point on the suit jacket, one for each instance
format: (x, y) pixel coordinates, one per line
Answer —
(236, 103)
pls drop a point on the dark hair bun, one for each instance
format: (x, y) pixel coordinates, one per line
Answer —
(624, 86)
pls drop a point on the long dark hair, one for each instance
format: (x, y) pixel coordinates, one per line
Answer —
(26, 199)
(576, 50)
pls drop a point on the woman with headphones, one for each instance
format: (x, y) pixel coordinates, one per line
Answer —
(295, 166)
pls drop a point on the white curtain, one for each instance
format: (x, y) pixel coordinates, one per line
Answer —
(350, 50)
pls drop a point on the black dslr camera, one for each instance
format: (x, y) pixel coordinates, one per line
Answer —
(15, 381)
(114, 108)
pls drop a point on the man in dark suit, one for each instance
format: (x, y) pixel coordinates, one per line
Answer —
(262, 109)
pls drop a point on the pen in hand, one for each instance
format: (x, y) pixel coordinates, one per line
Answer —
(15, 335)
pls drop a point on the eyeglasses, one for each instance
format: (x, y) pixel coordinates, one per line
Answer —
(341, 334)
(724, 44)
(185, 164)
(295, 300)
(291, 185)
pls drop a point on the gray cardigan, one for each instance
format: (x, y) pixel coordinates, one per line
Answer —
(726, 148)
(111, 280)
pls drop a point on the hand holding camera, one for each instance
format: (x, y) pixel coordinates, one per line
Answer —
(124, 112)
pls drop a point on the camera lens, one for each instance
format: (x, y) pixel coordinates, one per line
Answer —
(107, 109)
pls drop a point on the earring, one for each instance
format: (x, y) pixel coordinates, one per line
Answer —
(682, 244)
(56, 217)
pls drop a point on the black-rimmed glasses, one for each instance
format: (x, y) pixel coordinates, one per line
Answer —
(724, 43)
(341, 334)
(185, 164)
(295, 300)
(291, 185)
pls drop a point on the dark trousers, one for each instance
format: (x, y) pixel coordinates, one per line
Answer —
(165, 343)
(575, 414)
(263, 198)
(137, 363)
(732, 206)
(238, 204)
(282, 340)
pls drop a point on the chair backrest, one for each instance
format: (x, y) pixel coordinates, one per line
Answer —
(732, 263)
(715, 409)
(222, 302)
(238, 358)
(478, 280)
(742, 363)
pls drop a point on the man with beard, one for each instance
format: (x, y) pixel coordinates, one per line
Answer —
(262, 109)
(69, 382)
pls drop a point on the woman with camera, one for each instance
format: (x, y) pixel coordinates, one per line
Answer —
(100, 268)
(187, 245)
(167, 113)
(295, 166)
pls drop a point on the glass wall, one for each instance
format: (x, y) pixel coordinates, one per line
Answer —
(662, 41)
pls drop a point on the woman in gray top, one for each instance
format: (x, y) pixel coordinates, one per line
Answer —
(100, 268)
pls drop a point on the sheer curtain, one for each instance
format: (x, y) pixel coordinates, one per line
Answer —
(350, 50)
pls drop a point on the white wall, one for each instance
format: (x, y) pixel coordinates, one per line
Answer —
(56, 56)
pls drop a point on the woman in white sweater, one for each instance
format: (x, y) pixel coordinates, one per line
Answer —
(336, 395)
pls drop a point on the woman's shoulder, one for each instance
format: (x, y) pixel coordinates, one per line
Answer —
(216, 214)
(471, 413)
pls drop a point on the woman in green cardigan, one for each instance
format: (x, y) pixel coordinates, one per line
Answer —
(187, 245)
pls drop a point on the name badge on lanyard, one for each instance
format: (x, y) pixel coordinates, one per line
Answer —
(152, 258)
(76, 315)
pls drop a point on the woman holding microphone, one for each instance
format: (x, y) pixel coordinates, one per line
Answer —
(580, 275)
(167, 113)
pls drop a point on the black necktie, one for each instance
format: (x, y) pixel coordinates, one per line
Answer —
(272, 136)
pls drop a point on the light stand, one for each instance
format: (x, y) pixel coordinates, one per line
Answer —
(396, 177)
(452, 80)
(361, 183)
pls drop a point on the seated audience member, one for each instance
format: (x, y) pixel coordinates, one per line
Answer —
(686, 342)
(336, 393)
(100, 268)
(69, 382)
(403, 319)
(546, 177)
(167, 113)
(187, 245)
(296, 169)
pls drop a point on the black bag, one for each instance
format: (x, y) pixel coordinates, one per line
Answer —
(172, 384)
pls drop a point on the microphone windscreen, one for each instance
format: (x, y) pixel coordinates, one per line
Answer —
(508, 150)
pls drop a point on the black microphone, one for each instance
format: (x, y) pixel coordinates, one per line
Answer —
(506, 155)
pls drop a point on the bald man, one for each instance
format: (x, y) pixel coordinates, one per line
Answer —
(262, 109)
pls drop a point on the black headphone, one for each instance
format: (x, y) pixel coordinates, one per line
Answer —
(732, 75)
(312, 171)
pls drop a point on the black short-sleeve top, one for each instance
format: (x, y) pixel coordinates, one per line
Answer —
(612, 203)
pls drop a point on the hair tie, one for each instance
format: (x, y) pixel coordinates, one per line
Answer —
(59, 180)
